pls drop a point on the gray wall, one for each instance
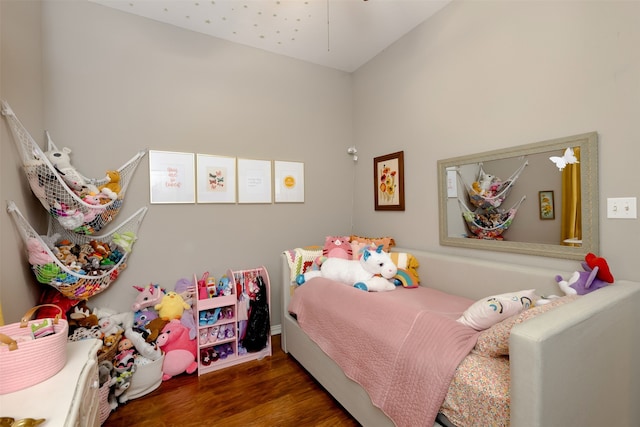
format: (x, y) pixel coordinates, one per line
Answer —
(20, 80)
(477, 76)
(480, 76)
(114, 83)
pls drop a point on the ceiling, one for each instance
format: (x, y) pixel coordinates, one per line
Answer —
(341, 34)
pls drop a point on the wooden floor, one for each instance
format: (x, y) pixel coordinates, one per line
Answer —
(275, 391)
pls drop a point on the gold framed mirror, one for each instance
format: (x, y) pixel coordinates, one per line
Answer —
(516, 220)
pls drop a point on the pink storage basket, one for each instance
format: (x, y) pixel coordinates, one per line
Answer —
(104, 407)
(26, 363)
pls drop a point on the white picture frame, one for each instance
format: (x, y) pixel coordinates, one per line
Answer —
(254, 181)
(288, 181)
(171, 177)
(215, 179)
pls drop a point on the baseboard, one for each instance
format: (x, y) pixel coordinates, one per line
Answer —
(276, 329)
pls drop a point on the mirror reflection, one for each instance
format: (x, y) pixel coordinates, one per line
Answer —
(538, 199)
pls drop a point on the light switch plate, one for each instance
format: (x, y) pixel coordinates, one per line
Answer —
(622, 208)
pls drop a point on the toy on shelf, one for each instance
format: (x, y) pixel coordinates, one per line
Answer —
(223, 320)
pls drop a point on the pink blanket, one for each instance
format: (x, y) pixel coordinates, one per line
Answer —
(402, 347)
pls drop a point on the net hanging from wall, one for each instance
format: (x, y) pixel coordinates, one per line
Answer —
(489, 191)
(489, 224)
(83, 205)
(77, 265)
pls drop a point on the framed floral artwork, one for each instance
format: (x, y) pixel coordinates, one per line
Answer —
(547, 210)
(388, 182)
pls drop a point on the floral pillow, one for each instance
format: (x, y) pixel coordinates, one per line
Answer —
(488, 311)
(494, 342)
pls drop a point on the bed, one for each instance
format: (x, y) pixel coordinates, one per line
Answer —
(573, 365)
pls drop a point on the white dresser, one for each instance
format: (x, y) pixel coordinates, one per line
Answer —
(69, 398)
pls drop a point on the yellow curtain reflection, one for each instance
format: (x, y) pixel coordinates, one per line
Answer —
(571, 225)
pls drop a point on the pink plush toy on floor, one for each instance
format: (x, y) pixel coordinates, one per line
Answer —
(179, 350)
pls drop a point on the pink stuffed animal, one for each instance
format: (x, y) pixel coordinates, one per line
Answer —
(179, 350)
(148, 296)
(37, 253)
(337, 247)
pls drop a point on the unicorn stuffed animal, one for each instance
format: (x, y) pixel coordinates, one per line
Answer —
(374, 271)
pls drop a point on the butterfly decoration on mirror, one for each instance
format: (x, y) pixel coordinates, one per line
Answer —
(569, 158)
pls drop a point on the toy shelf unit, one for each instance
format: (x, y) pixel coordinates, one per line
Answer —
(222, 321)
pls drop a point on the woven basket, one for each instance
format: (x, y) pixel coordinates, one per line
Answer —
(104, 407)
(27, 363)
(111, 352)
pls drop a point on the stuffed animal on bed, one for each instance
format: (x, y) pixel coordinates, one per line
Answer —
(337, 247)
(596, 275)
(374, 271)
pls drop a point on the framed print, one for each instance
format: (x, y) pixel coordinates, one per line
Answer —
(547, 210)
(254, 181)
(289, 181)
(215, 179)
(388, 182)
(452, 183)
(171, 177)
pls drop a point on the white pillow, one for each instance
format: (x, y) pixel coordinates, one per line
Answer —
(488, 311)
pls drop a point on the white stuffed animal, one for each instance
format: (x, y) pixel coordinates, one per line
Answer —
(374, 271)
(62, 162)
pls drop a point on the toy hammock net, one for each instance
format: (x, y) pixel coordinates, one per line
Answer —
(489, 191)
(89, 205)
(489, 224)
(77, 265)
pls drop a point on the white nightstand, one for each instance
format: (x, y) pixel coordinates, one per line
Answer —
(69, 398)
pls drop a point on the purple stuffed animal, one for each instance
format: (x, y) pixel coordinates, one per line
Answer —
(581, 282)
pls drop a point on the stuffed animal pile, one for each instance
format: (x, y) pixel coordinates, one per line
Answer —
(94, 214)
(487, 191)
(488, 186)
(61, 161)
(165, 319)
(160, 328)
(95, 258)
